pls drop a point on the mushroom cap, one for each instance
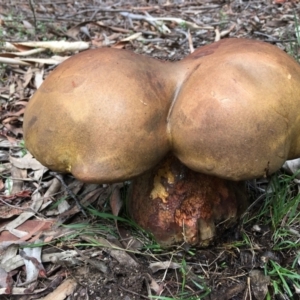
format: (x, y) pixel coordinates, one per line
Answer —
(101, 116)
(237, 113)
(230, 109)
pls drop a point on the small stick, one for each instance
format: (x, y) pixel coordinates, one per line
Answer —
(72, 195)
(33, 12)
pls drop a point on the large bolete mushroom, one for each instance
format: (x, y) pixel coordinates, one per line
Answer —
(186, 132)
(101, 116)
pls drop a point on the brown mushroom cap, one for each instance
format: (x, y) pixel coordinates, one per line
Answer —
(101, 115)
(230, 109)
(237, 114)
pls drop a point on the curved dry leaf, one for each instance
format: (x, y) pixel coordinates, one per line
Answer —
(27, 77)
(116, 202)
(26, 162)
(13, 61)
(57, 46)
(32, 260)
(45, 61)
(163, 265)
(29, 52)
(157, 288)
(12, 114)
(132, 37)
(64, 290)
(54, 187)
(17, 176)
(7, 46)
(38, 78)
(59, 58)
(8, 54)
(17, 221)
(21, 291)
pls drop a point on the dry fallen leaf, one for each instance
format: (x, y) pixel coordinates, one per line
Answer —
(132, 37)
(32, 260)
(116, 202)
(18, 175)
(29, 229)
(3, 278)
(26, 162)
(162, 265)
(157, 288)
(119, 254)
(13, 61)
(54, 60)
(56, 46)
(64, 290)
(27, 77)
(29, 52)
(297, 289)
(292, 167)
(38, 77)
(259, 284)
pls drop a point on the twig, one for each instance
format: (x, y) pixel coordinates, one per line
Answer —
(33, 12)
(257, 200)
(190, 39)
(72, 195)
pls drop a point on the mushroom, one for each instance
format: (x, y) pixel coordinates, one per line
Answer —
(187, 133)
(101, 116)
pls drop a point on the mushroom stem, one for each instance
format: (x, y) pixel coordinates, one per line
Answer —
(177, 204)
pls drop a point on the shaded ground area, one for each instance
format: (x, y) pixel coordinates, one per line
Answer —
(84, 257)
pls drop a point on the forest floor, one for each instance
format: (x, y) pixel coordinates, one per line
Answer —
(48, 248)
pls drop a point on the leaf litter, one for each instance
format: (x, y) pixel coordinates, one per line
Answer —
(69, 256)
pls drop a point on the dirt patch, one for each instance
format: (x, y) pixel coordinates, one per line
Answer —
(118, 283)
